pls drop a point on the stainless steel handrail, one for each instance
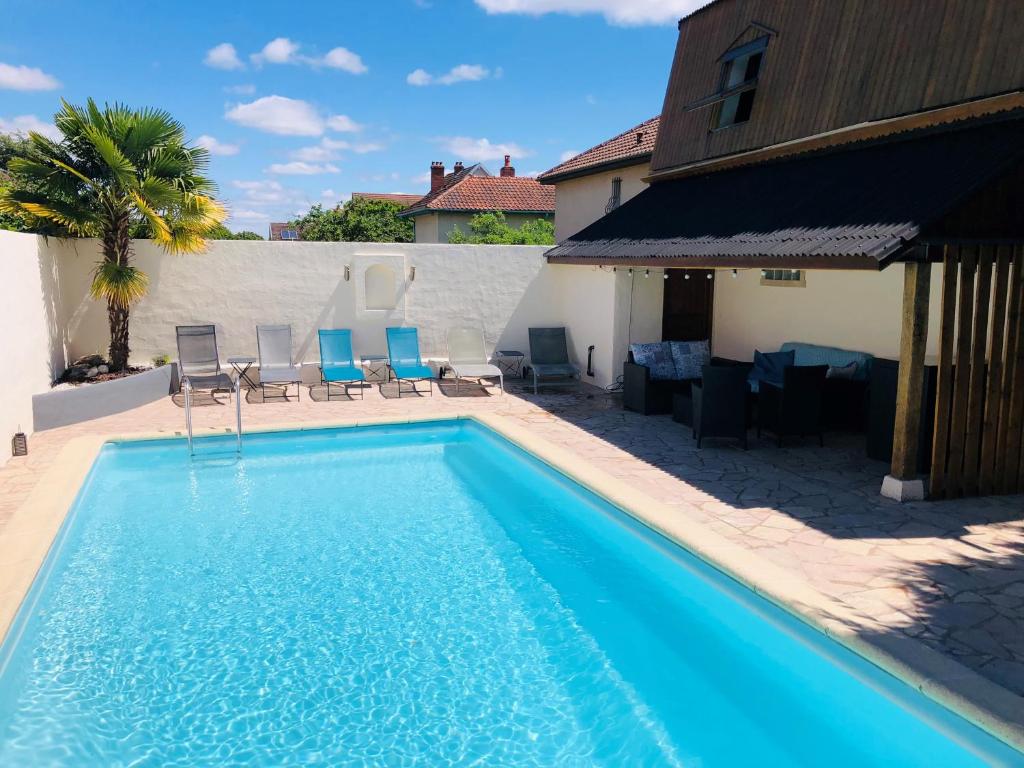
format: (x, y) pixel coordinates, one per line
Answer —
(186, 386)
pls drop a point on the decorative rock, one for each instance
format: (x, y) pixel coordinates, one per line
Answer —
(89, 361)
(103, 368)
(91, 373)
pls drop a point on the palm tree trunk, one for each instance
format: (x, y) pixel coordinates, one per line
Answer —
(117, 249)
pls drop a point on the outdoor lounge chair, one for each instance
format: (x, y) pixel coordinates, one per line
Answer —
(549, 357)
(720, 403)
(467, 358)
(337, 364)
(404, 362)
(198, 361)
(276, 365)
(795, 408)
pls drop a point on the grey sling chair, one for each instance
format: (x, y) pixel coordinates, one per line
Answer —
(198, 361)
(549, 358)
(277, 368)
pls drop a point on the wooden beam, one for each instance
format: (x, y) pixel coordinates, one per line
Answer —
(944, 387)
(910, 384)
(961, 373)
(976, 395)
(987, 477)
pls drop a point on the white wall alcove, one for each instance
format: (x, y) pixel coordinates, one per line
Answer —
(380, 285)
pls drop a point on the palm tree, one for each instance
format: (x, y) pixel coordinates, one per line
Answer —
(112, 172)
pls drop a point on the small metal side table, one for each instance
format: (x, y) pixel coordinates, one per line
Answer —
(376, 366)
(242, 364)
(509, 362)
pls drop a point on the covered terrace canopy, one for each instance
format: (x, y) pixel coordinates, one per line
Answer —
(857, 206)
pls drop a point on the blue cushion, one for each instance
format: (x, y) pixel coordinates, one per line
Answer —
(342, 373)
(770, 367)
(847, 372)
(690, 357)
(816, 354)
(655, 357)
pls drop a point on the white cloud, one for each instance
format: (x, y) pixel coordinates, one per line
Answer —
(280, 50)
(632, 13)
(481, 150)
(223, 56)
(216, 147)
(328, 194)
(299, 168)
(422, 178)
(316, 153)
(568, 155)
(243, 89)
(343, 124)
(419, 77)
(22, 124)
(22, 78)
(248, 215)
(280, 115)
(343, 58)
(369, 146)
(462, 73)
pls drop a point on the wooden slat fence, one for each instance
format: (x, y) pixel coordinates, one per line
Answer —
(978, 447)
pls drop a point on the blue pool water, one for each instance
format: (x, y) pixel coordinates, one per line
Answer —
(418, 595)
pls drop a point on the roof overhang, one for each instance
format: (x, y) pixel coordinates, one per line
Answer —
(860, 206)
(590, 170)
(506, 211)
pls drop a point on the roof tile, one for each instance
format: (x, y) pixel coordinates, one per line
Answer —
(636, 143)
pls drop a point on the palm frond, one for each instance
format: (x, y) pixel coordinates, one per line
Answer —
(78, 220)
(121, 168)
(151, 128)
(122, 285)
(159, 229)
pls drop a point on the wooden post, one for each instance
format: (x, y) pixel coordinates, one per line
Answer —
(910, 385)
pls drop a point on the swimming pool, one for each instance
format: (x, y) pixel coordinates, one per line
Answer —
(418, 594)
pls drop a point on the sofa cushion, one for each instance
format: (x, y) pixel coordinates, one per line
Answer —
(816, 354)
(656, 357)
(847, 372)
(690, 357)
(770, 367)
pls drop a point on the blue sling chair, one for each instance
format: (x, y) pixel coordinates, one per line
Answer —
(404, 362)
(337, 364)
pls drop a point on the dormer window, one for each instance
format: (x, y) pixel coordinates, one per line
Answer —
(740, 69)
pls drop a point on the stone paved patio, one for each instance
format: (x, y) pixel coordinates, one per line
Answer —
(950, 573)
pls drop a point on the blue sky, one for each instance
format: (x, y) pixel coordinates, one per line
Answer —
(307, 102)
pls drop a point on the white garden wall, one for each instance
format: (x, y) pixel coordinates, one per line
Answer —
(31, 337)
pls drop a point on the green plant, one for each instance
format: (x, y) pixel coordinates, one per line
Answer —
(220, 232)
(358, 220)
(112, 169)
(492, 228)
(159, 361)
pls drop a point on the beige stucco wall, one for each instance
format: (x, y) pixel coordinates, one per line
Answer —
(435, 227)
(852, 309)
(31, 341)
(581, 201)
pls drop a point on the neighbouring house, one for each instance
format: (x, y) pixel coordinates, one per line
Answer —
(284, 231)
(851, 179)
(596, 182)
(394, 197)
(455, 198)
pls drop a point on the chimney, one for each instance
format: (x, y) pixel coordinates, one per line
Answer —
(459, 167)
(436, 175)
(508, 170)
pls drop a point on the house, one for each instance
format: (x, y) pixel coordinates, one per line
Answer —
(595, 182)
(455, 198)
(284, 231)
(849, 175)
(403, 200)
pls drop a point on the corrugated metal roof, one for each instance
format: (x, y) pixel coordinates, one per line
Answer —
(855, 206)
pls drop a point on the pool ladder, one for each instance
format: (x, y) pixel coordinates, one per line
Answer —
(186, 387)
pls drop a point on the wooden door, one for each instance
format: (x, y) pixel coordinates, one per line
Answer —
(689, 304)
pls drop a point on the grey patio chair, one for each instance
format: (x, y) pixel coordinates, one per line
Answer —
(468, 359)
(549, 357)
(274, 343)
(198, 361)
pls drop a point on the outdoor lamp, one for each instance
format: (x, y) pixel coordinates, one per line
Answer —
(348, 273)
(412, 274)
(647, 273)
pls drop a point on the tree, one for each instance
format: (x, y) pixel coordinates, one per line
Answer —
(491, 228)
(220, 232)
(358, 220)
(114, 168)
(11, 146)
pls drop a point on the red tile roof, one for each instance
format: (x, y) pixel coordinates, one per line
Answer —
(404, 200)
(466, 191)
(277, 227)
(628, 148)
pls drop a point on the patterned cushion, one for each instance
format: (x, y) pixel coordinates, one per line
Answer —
(690, 357)
(656, 357)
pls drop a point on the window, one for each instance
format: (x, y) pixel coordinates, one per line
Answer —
(740, 69)
(379, 282)
(783, 277)
(289, 234)
(616, 199)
